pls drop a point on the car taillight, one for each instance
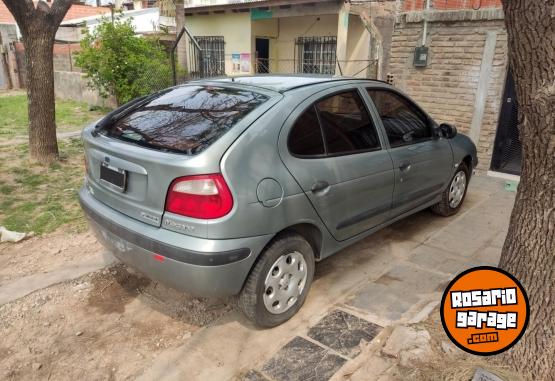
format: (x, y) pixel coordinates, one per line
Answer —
(201, 196)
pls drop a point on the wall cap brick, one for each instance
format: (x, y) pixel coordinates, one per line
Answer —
(456, 15)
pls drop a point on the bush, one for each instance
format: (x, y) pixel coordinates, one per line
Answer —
(119, 63)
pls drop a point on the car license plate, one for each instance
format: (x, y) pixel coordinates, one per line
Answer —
(113, 177)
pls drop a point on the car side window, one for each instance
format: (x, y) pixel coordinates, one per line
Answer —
(305, 138)
(403, 122)
(346, 124)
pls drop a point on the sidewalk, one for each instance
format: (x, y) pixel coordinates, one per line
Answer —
(371, 293)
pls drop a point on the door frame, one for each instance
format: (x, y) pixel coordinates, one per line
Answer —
(256, 38)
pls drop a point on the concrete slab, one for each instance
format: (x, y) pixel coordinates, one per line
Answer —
(412, 280)
(430, 257)
(488, 256)
(253, 375)
(343, 332)
(24, 286)
(484, 375)
(394, 293)
(464, 245)
(301, 360)
(382, 303)
(371, 370)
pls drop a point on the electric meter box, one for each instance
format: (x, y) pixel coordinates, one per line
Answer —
(421, 56)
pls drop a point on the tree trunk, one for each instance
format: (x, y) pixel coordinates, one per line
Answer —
(181, 50)
(43, 146)
(529, 250)
(39, 22)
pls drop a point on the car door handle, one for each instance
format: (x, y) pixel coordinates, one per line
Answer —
(319, 186)
(405, 166)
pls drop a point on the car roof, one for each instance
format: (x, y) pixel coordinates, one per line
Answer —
(282, 83)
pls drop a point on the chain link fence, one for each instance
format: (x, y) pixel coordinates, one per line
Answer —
(349, 68)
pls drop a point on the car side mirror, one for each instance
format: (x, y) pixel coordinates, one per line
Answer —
(446, 130)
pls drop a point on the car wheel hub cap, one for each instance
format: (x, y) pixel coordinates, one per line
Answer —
(285, 282)
(457, 189)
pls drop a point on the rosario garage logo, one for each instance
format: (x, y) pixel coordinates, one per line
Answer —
(484, 310)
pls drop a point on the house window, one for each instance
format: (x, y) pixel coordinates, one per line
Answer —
(316, 54)
(213, 54)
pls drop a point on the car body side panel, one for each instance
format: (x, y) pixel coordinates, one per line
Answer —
(462, 147)
(422, 170)
(360, 185)
(427, 175)
(251, 162)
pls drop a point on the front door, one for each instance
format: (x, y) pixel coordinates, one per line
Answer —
(507, 152)
(422, 163)
(335, 153)
(262, 55)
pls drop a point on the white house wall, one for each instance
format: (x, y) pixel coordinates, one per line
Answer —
(235, 27)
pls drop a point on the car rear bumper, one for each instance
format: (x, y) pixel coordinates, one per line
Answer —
(202, 267)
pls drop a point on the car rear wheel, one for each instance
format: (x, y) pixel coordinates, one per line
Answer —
(279, 282)
(454, 195)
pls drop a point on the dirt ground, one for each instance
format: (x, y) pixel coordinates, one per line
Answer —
(45, 253)
(107, 325)
(448, 362)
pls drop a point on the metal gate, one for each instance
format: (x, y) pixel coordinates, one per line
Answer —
(507, 151)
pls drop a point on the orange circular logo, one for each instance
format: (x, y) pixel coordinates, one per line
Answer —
(485, 310)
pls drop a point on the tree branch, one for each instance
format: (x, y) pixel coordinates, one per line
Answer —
(59, 9)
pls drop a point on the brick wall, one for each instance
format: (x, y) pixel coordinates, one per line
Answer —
(448, 86)
(64, 58)
(415, 5)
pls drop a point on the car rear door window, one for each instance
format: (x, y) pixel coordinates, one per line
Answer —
(346, 124)
(186, 119)
(403, 122)
(305, 138)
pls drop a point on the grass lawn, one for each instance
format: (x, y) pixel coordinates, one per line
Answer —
(70, 116)
(37, 198)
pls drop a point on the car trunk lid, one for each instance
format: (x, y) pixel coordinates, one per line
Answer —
(135, 153)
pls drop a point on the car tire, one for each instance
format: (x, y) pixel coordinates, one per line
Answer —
(453, 196)
(288, 261)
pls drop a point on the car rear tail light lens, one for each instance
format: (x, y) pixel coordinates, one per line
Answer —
(203, 196)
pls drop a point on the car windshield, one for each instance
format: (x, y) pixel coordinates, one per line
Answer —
(185, 119)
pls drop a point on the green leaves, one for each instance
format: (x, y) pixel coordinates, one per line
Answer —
(119, 63)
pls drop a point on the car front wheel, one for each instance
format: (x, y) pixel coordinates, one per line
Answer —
(453, 197)
(279, 282)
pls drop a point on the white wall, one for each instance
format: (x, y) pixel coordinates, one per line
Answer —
(234, 27)
(144, 21)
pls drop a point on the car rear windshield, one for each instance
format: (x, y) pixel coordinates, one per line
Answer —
(186, 119)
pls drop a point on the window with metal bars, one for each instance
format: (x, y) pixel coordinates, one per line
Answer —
(316, 55)
(213, 54)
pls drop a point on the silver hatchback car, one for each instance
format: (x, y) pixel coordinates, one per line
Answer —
(238, 186)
